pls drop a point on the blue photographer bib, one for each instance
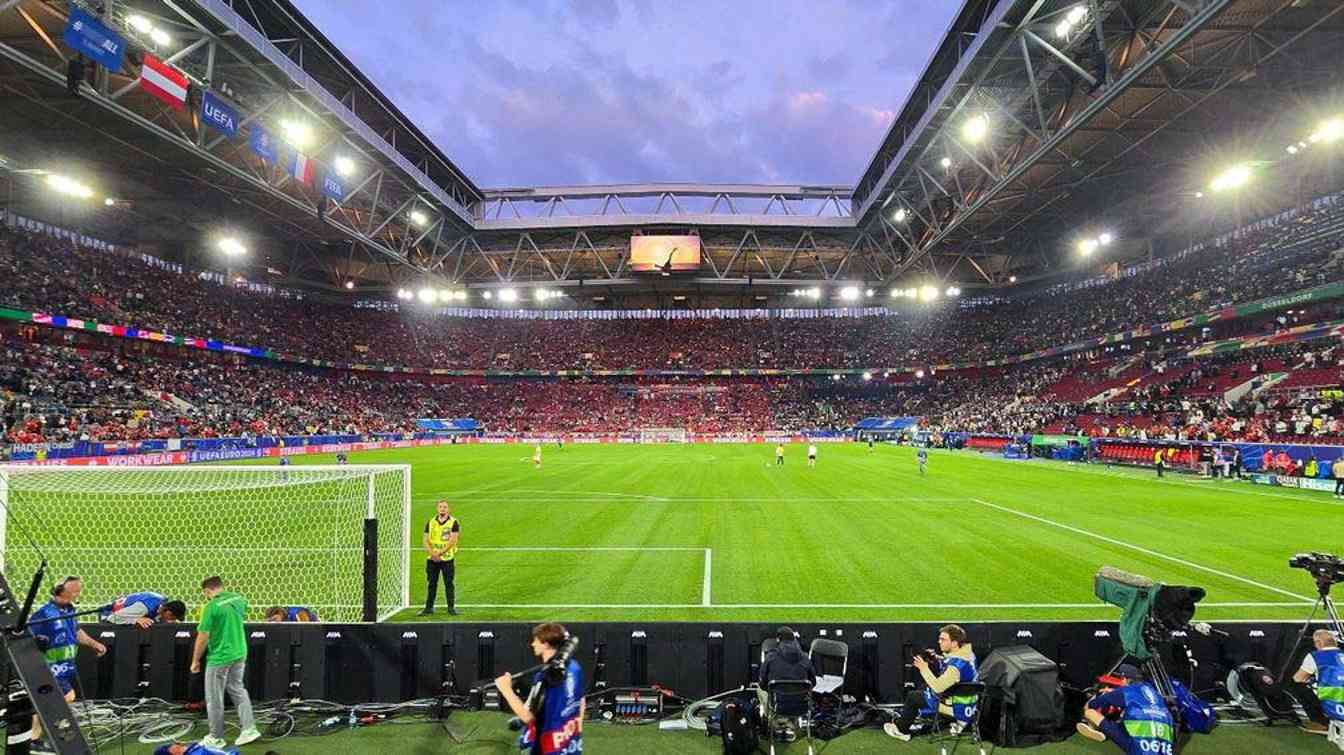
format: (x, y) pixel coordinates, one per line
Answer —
(1330, 681)
(1147, 720)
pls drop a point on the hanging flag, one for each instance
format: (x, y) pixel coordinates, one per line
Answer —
(301, 168)
(219, 114)
(86, 34)
(262, 144)
(332, 186)
(164, 82)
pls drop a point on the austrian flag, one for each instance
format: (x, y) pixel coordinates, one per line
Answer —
(301, 168)
(164, 82)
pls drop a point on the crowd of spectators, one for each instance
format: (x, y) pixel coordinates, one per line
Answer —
(50, 275)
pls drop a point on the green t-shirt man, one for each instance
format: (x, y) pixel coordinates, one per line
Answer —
(223, 620)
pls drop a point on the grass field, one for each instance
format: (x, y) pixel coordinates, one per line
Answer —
(700, 532)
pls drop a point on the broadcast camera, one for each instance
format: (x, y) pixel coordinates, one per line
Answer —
(1327, 569)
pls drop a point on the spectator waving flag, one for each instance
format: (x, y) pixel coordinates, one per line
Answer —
(301, 168)
(166, 83)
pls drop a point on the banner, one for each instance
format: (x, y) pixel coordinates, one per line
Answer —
(86, 34)
(219, 114)
(332, 186)
(262, 144)
(165, 83)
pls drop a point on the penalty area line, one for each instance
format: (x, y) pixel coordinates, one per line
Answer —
(908, 606)
(1141, 549)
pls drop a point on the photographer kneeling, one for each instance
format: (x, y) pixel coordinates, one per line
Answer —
(553, 713)
(1326, 664)
(958, 665)
(1131, 713)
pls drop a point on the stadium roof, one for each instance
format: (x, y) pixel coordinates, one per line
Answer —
(1097, 114)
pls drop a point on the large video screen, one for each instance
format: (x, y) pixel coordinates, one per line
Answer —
(671, 254)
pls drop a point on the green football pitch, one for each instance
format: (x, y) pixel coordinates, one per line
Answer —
(719, 532)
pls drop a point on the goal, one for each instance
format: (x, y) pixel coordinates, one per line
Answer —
(662, 435)
(279, 535)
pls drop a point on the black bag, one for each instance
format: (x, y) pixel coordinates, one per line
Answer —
(738, 721)
(1024, 703)
(1273, 700)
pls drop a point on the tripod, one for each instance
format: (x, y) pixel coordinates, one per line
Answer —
(1323, 584)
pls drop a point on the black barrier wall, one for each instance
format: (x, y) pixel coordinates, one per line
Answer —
(392, 662)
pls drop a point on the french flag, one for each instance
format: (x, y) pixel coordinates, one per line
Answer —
(166, 83)
(301, 168)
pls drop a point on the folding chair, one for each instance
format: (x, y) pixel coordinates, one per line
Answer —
(957, 732)
(830, 659)
(789, 698)
(1335, 734)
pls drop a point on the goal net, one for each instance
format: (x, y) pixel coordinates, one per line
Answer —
(662, 435)
(292, 535)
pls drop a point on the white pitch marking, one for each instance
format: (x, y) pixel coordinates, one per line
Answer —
(1141, 549)
(704, 596)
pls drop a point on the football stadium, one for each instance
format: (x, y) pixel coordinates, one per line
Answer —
(988, 395)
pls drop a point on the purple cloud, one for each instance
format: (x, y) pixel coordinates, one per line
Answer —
(613, 91)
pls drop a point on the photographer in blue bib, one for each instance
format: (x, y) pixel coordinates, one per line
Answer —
(940, 673)
(1325, 664)
(1131, 713)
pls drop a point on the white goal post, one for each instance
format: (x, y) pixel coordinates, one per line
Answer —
(332, 538)
(662, 435)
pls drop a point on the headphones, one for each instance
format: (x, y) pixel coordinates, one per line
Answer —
(59, 588)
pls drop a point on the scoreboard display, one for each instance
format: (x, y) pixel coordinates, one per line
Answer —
(664, 254)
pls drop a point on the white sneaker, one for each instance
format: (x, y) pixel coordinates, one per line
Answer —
(893, 731)
(214, 742)
(247, 736)
(956, 728)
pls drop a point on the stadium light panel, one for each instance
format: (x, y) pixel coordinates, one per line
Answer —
(849, 293)
(1329, 131)
(349, 285)
(160, 37)
(814, 293)
(1012, 279)
(418, 217)
(445, 295)
(231, 247)
(68, 186)
(900, 215)
(508, 295)
(427, 295)
(1292, 149)
(460, 295)
(975, 129)
(139, 23)
(867, 376)
(109, 202)
(344, 165)
(1105, 239)
(1077, 14)
(953, 291)
(919, 374)
(868, 293)
(946, 162)
(488, 295)
(297, 133)
(911, 293)
(1063, 28)
(1087, 246)
(835, 377)
(928, 293)
(1233, 178)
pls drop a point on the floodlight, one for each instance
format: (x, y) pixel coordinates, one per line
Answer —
(349, 285)
(1012, 279)
(835, 376)
(1087, 246)
(508, 295)
(1233, 178)
(868, 293)
(1063, 28)
(445, 295)
(344, 165)
(911, 293)
(897, 293)
(427, 295)
(928, 293)
(231, 246)
(919, 374)
(1292, 149)
(160, 37)
(867, 376)
(296, 132)
(1330, 131)
(946, 162)
(540, 294)
(953, 291)
(460, 295)
(849, 293)
(814, 292)
(139, 23)
(975, 129)
(1105, 238)
(1077, 14)
(488, 295)
(900, 215)
(109, 202)
(418, 217)
(68, 186)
